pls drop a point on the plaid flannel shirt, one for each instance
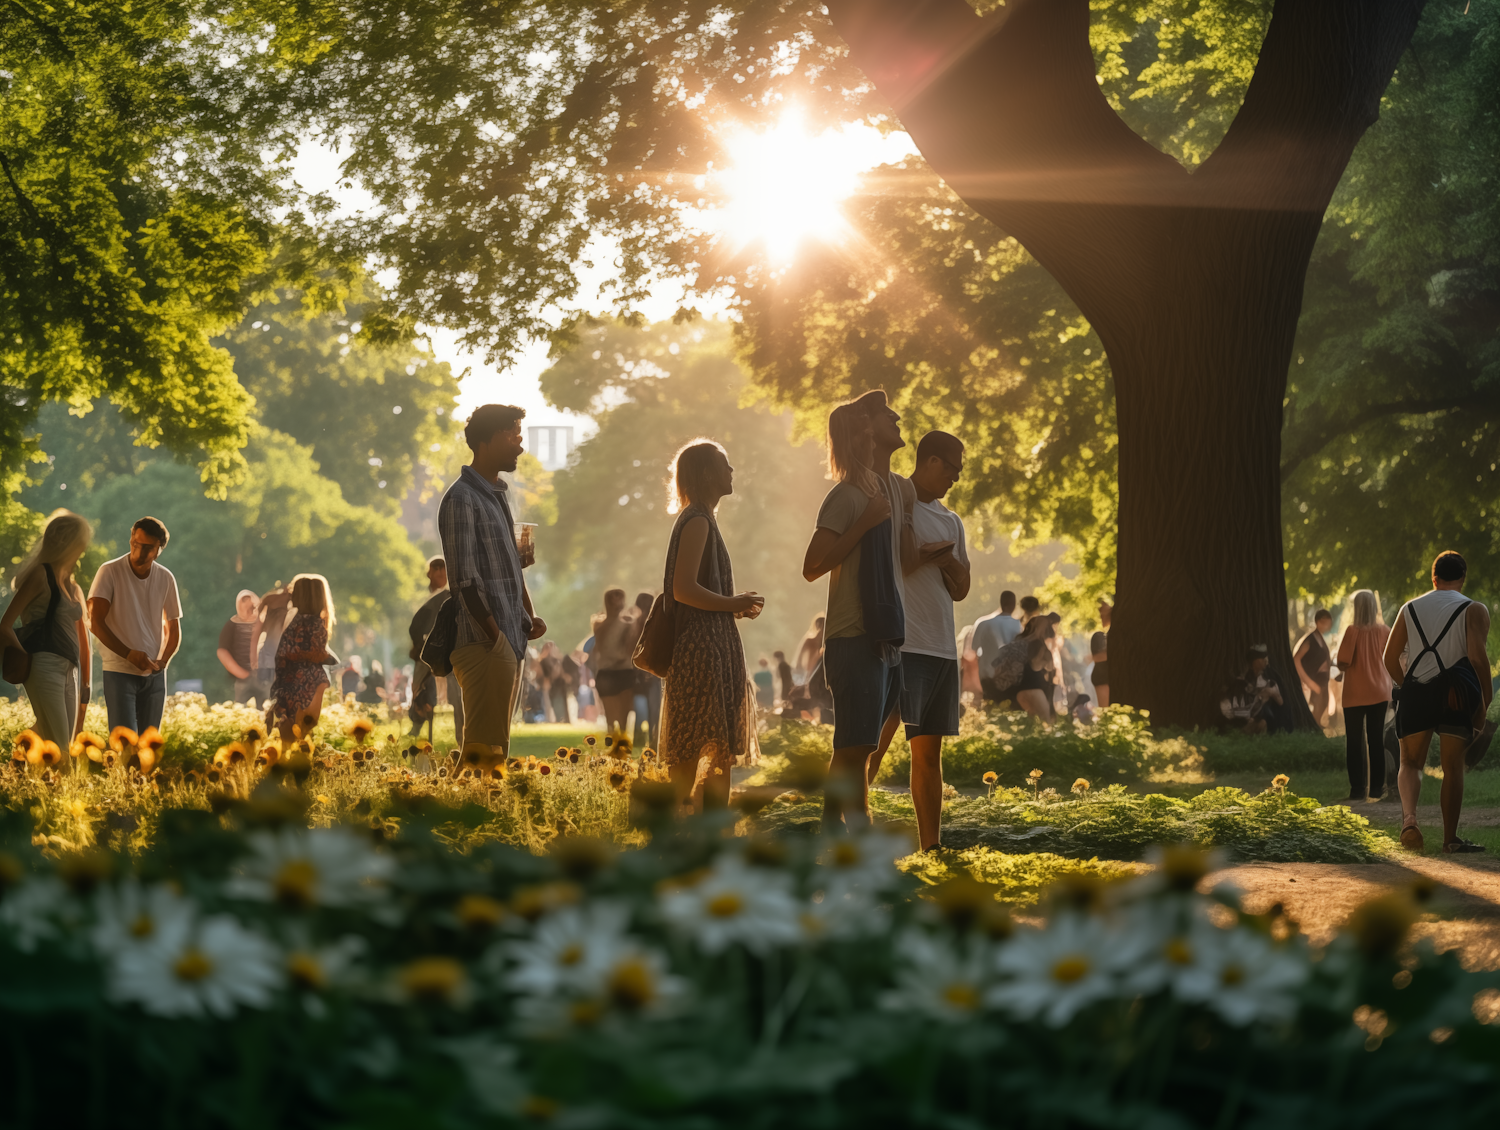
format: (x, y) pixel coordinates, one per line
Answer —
(479, 547)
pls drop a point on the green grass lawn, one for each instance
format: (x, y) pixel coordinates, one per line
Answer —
(526, 739)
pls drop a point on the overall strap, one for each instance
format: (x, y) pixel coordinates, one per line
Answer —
(1432, 647)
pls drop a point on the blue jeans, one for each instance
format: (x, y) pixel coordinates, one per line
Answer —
(134, 701)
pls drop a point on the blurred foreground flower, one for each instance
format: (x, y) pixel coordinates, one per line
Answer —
(305, 868)
(735, 903)
(193, 967)
(939, 979)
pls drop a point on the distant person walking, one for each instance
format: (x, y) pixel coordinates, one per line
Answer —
(1367, 694)
(614, 672)
(424, 682)
(707, 712)
(1099, 670)
(133, 603)
(938, 576)
(858, 544)
(647, 685)
(302, 657)
(45, 618)
(785, 683)
(274, 608)
(1436, 657)
(495, 617)
(373, 692)
(765, 684)
(991, 633)
(237, 644)
(809, 651)
(1314, 663)
(351, 677)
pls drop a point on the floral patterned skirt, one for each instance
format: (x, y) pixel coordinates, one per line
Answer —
(707, 704)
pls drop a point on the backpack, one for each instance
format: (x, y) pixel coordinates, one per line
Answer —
(437, 648)
(1010, 662)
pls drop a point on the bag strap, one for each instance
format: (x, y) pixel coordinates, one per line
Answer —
(56, 592)
(1432, 647)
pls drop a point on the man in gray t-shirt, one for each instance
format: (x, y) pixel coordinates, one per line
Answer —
(991, 633)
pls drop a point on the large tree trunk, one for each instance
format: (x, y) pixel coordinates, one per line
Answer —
(1194, 282)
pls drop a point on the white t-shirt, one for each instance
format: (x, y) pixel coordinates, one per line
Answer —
(929, 608)
(136, 609)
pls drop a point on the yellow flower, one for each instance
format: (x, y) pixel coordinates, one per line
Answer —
(480, 912)
(1035, 775)
(433, 979)
(991, 777)
(359, 729)
(120, 737)
(1280, 781)
(1082, 785)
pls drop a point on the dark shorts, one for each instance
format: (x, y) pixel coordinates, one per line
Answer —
(613, 682)
(929, 695)
(1099, 676)
(865, 690)
(1447, 705)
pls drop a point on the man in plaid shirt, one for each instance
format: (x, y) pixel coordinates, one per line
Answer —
(484, 574)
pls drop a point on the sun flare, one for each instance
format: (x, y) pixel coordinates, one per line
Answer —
(785, 186)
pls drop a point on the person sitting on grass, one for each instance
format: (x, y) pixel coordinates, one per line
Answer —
(1252, 700)
(1440, 637)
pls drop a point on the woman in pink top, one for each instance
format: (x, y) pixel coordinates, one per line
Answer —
(1367, 693)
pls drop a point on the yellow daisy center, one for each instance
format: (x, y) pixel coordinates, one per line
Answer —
(1231, 975)
(192, 966)
(306, 971)
(1074, 967)
(961, 995)
(432, 977)
(845, 855)
(294, 883)
(726, 905)
(142, 927)
(631, 984)
(1178, 952)
(570, 955)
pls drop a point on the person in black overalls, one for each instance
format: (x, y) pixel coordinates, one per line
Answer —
(1439, 689)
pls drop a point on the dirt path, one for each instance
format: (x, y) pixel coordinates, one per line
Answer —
(1464, 915)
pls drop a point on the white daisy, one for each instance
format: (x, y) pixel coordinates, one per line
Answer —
(736, 903)
(1056, 971)
(865, 861)
(567, 951)
(302, 868)
(1240, 974)
(129, 915)
(29, 912)
(192, 967)
(937, 980)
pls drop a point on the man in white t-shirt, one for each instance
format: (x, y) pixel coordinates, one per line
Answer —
(991, 633)
(937, 575)
(130, 602)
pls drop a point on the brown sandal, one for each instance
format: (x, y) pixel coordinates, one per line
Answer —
(1411, 835)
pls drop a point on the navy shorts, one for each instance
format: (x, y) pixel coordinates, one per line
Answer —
(865, 690)
(929, 695)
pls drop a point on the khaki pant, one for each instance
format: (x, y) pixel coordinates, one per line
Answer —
(53, 690)
(488, 678)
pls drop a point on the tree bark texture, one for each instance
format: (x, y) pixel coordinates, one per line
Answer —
(1192, 280)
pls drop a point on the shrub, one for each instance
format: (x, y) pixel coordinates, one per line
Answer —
(1232, 752)
(1117, 824)
(1018, 880)
(263, 975)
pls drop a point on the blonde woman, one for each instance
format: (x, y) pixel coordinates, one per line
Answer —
(1367, 693)
(48, 605)
(707, 706)
(301, 656)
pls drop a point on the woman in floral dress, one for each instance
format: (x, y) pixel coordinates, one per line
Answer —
(708, 709)
(297, 693)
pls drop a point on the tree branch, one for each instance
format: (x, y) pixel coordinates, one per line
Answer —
(1319, 435)
(1317, 85)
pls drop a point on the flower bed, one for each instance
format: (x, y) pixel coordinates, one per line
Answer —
(262, 974)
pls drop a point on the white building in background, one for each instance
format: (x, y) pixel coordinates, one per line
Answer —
(551, 445)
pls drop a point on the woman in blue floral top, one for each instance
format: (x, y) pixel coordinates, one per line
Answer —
(297, 693)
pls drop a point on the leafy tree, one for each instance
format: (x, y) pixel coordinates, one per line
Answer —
(137, 218)
(650, 390)
(372, 416)
(283, 518)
